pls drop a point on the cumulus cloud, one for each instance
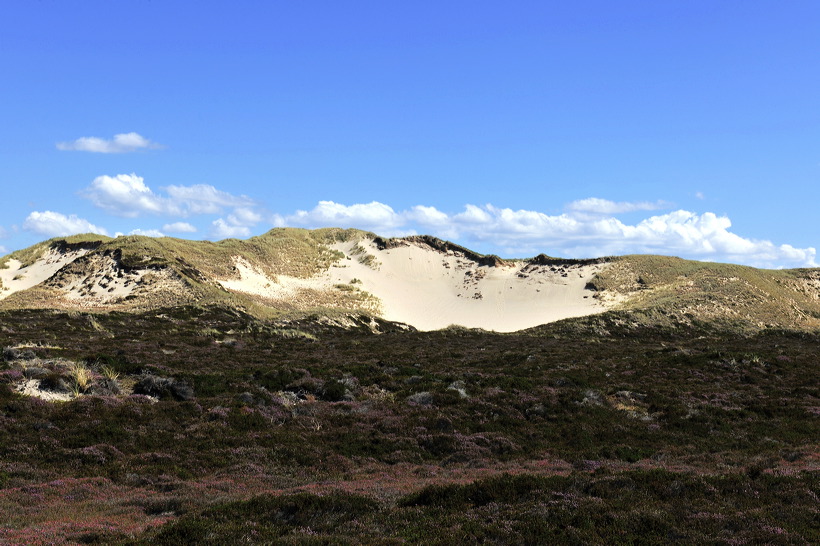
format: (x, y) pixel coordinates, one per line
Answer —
(54, 224)
(595, 205)
(373, 216)
(237, 224)
(121, 143)
(147, 232)
(224, 229)
(578, 233)
(179, 227)
(127, 195)
(244, 217)
(205, 199)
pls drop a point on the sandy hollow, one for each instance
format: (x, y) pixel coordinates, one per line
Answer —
(431, 289)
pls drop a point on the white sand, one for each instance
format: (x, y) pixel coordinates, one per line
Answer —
(253, 281)
(31, 387)
(16, 278)
(430, 289)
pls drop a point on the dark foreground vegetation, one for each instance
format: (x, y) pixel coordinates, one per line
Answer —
(208, 426)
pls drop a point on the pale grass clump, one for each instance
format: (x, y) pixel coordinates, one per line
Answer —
(109, 372)
(81, 375)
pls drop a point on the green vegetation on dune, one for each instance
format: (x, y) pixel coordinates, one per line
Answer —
(281, 251)
(28, 256)
(198, 265)
(683, 289)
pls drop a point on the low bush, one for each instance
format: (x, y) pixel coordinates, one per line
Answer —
(164, 388)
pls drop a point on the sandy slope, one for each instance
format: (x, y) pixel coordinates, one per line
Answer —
(280, 287)
(431, 289)
(16, 278)
(99, 282)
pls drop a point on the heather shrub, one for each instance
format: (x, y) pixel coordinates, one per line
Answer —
(110, 366)
(277, 379)
(695, 436)
(505, 488)
(12, 354)
(106, 387)
(164, 388)
(35, 372)
(333, 390)
(268, 518)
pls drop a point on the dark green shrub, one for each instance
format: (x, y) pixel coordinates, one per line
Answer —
(268, 516)
(164, 388)
(333, 391)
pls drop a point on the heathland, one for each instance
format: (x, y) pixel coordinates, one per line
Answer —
(337, 387)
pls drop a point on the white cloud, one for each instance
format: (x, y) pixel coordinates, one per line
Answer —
(205, 199)
(147, 232)
(363, 216)
(428, 215)
(54, 224)
(237, 224)
(223, 229)
(179, 227)
(700, 195)
(577, 234)
(128, 195)
(596, 205)
(121, 143)
(3, 250)
(244, 217)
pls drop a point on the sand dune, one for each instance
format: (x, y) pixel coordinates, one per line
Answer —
(16, 278)
(432, 289)
(422, 283)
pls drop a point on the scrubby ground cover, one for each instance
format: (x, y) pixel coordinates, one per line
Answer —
(205, 425)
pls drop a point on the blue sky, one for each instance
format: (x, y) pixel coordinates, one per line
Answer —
(570, 128)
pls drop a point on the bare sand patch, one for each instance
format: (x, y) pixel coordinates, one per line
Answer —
(16, 278)
(431, 289)
(31, 387)
(256, 282)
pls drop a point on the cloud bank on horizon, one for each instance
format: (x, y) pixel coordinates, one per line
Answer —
(587, 228)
